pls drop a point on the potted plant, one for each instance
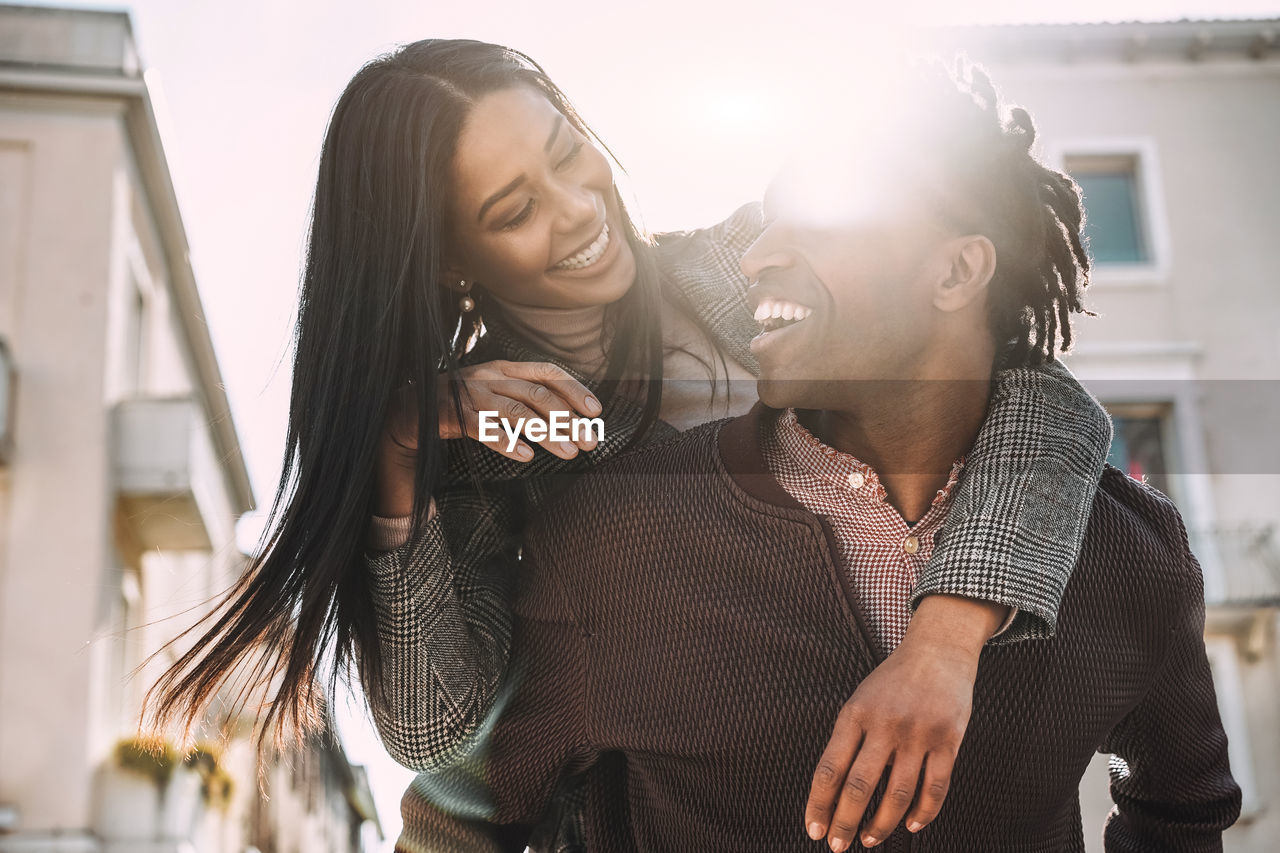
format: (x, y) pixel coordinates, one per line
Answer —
(217, 785)
(131, 788)
(216, 789)
(181, 801)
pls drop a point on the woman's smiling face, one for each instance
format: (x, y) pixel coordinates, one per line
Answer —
(535, 218)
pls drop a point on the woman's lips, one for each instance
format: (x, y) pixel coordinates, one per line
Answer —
(588, 256)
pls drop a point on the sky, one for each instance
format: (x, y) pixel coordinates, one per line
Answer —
(697, 99)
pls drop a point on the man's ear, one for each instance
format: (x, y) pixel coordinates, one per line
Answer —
(972, 263)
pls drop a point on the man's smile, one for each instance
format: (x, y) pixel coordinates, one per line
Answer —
(773, 314)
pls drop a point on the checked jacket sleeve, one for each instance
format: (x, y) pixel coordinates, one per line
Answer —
(1019, 512)
(444, 624)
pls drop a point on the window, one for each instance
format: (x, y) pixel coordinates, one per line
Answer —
(1115, 222)
(1139, 445)
(134, 374)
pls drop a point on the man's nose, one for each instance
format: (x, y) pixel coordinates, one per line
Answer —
(767, 252)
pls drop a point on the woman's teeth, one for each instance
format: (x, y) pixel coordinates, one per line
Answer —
(589, 255)
(775, 313)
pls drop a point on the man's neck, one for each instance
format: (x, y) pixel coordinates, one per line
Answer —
(910, 432)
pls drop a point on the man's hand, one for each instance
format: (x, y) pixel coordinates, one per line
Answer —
(909, 715)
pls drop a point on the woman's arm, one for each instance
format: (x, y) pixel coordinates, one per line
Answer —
(444, 625)
(441, 598)
(1020, 510)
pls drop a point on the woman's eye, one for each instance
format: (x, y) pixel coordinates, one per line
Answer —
(572, 155)
(520, 218)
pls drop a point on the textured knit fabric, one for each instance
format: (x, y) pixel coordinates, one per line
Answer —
(881, 552)
(441, 599)
(690, 650)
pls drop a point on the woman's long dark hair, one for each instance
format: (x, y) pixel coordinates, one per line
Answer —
(375, 317)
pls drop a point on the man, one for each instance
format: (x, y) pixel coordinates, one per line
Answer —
(689, 653)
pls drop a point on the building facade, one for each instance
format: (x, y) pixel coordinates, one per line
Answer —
(1171, 129)
(121, 477)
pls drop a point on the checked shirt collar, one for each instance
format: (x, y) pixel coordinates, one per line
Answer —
(882, 553)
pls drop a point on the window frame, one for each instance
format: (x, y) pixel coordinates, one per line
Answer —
(1161, 411)
(1150, 203)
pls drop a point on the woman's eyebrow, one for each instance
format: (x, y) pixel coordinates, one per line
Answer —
(555, 133)
(511, 187)
(497, 197)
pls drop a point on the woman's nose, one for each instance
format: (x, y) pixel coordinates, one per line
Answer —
(580, 204)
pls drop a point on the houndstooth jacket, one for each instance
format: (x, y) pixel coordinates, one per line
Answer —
(442, 599)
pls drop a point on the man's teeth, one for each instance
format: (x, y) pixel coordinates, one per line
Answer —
(589, 255)
(776, 309)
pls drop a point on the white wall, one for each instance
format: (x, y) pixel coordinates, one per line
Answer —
(54, 562)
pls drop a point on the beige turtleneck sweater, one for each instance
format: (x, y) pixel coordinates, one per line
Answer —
(689, 398)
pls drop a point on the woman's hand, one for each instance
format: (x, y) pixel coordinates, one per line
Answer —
(513, 389)
(910, 716)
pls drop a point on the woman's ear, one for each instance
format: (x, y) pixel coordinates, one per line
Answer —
(972, 264)
(453, 273)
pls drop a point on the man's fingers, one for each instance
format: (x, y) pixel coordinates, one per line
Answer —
(898, 795)
(933, 789)
(830, 774)
(856, 792)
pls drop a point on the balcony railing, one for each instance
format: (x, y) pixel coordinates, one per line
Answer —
(1250, 558)
(163, 461)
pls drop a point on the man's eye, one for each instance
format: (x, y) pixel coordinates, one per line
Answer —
(520, 218)
(571, 156)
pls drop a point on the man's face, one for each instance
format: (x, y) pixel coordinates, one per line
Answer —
(853, 266)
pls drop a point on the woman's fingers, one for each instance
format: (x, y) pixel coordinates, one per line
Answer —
(507, 404)
(830, 774)
(548, 389)
(898, 796)
(933, 789)
(856, 792)
(495, 436)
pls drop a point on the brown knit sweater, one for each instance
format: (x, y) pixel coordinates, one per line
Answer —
(690, 649)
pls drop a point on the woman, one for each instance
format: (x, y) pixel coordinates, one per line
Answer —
(457, 182)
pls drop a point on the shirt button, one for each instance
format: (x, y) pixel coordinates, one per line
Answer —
(911, 544)
(856, 480)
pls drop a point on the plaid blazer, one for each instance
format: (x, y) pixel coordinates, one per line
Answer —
(443, 598)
